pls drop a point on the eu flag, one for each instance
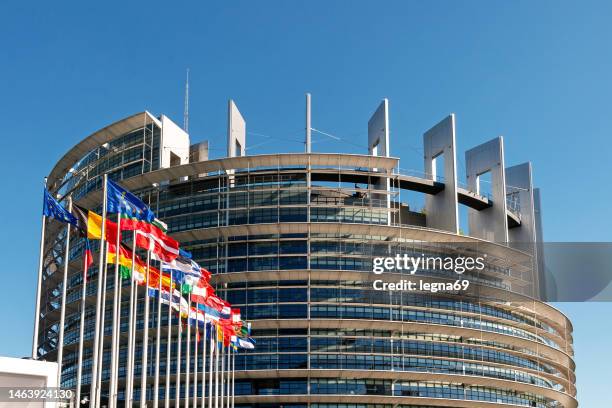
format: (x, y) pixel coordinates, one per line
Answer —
(120, 200)
(53, 209)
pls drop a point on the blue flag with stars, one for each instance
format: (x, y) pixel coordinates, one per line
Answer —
(120, 200)
(53, 209)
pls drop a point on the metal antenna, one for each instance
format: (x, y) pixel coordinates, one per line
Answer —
(186, 111)
(308, 124)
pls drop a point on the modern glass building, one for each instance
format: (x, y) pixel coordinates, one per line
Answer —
(290, 239)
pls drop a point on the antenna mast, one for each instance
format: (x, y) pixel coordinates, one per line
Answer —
(186, 111)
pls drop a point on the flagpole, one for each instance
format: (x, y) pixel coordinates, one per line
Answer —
(117, 357)
(39, 284)
(168, 343)
(178, 359)
(102, 323)
(118, 338)
(114, 335)
(210, 364)
(217, 367)
(157, 340)
(222, 384)
(203, 401)
(133, 345)
(99, 306)
(233, 376)
(60, 346)
(195, 360)
(134, 332)
(81, 332)
(229, 374)
(145, 339)
(129, 381)
(188, 351)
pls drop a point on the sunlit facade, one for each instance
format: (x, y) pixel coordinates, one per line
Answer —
(290, 240)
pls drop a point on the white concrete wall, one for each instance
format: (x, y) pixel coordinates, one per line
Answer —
(378, 145)
(442, 208)
(491, 223)
(378, 131)
(173, 140)
(519, 180)
(236, 131)
(21, 373)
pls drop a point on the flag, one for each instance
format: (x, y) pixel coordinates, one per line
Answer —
(94, 227)
(155, 229)
(205, 274)
(185, 282)
(90, 224)
(200, 315)
(176, 301)
(228, 331)
(154, 275)
(53, 209)
(226, 311)
(185, 265)
(215, 301)
(87, 259)
(137, 216)
(160, 224)
(218, 304)
(245, 329)
(169, 298)
(211, 314)
(80, 215)
(163, 247)
(248, 343)
(234, 342)
(125, 263)
(184, 271)
(236, 317)
(186, 288)
(197, 317)
(120, 200)
(212, 336)
(199, 291)
(125, 259)
(219, 330)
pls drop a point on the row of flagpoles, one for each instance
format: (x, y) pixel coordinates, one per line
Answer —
(219, 330)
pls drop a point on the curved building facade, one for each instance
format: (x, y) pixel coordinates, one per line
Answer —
(291, 238)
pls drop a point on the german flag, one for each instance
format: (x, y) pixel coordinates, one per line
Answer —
(125, 259)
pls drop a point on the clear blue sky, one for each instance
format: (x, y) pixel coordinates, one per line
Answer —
(537, 72)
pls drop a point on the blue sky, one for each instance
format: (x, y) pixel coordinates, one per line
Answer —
(536, 72)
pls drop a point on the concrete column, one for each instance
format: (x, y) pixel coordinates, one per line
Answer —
(490, 223)
(378, 131)
(378, 145)
(236, 131)
(539, 244)
(442, 209)
(519, 190)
